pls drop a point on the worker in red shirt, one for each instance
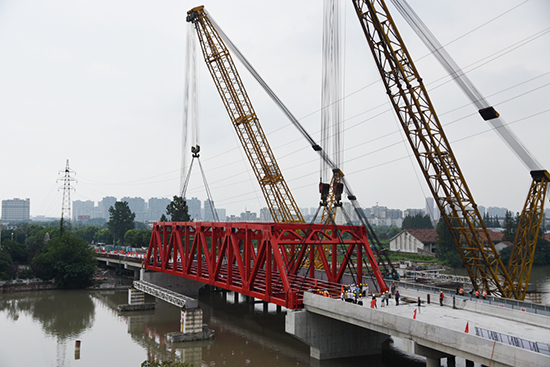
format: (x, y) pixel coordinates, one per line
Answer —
(441, 298)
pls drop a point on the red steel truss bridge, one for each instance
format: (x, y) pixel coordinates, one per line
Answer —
(261, 260)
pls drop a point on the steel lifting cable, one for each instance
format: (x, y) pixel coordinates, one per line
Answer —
(190, 114)
(485, 109)
(211, 202)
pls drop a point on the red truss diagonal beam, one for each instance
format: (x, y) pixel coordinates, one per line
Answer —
(262, 260)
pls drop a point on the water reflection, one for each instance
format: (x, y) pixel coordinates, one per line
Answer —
(61, 314)
(247, 334)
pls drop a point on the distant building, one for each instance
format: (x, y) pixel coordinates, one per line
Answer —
(249, 216)
(137, 206)
(496, 211)
(423, 241)
(413, 212)
(265, 214)
(16, 210)
(83, 210)
(221, 213)
(432, 210)
(416, 241)
(208, 211)
(105, 204)
(156, 208)
(194, 208)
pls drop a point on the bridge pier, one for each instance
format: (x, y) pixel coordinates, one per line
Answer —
(136, 302)
(330, 338)
(191, 320)
(433, 356)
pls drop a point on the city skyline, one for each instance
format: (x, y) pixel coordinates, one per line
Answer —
(104, 89)
(153, 208)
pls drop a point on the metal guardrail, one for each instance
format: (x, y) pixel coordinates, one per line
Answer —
(514, 340)
(166, 294)
(497, 301)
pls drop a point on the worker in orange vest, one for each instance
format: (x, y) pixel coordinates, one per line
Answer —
(441, 298)
(484, 293)
(477, 293)
(461, 291)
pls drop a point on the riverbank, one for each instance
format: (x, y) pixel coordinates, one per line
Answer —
(104, 279)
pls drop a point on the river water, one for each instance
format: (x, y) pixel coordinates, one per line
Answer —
(40, 329)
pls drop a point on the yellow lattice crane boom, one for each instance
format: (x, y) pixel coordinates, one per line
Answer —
(282, 205)
(433, 152)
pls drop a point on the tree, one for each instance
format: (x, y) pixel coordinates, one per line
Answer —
(163, 218)
(17, 251)
(138, 237)
(6, 265)
(121, 219)
(510, 227)
(86, 233)
(178, 210)
(445, 248)
(67, 259)
(418, 221)
(103, 236)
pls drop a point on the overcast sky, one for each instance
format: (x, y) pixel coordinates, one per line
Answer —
(101, 83)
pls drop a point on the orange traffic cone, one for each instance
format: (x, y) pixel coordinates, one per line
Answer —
(467, 328)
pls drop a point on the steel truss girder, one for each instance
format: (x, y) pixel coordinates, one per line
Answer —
(260, 260)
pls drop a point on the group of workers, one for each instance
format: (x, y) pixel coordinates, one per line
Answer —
(476, 293)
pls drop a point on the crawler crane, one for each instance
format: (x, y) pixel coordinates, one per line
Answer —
(281, 203)
(433, 152)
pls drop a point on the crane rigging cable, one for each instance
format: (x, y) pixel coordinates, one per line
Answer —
(191, 117)
(484, 107)
(331, 90)
(190, 106)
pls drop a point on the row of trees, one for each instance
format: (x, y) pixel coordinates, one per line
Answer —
(54, 253)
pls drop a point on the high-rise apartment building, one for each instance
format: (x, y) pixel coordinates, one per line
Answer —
(83, 210)
(194, 207)
(156, 208)
(16, 210)
(137, 206)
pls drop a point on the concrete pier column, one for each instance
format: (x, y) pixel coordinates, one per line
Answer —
(330, 338)
(451, 361)
(191, 320)
(432, 356)
(235, 298)
(135, 297)
(432, 362)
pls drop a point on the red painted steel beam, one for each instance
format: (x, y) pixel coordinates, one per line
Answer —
(262, 260)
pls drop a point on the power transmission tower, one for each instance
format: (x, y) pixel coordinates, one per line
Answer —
(66, 207)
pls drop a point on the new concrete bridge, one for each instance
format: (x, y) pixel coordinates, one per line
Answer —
(335, 329)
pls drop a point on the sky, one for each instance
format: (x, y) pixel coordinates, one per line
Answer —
(100, 83)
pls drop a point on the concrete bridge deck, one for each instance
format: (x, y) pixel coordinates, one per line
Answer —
(437, 331)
